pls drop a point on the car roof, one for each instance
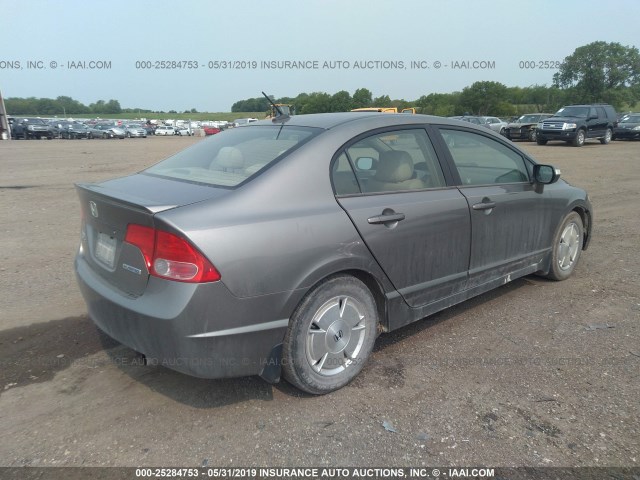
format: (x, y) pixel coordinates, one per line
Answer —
(330, 120)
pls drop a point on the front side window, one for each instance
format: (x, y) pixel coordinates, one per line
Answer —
(482, 160)
(231, 157)
(395, 161)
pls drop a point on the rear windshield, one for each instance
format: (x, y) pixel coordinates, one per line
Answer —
(233, 156)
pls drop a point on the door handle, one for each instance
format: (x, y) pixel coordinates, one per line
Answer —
(484, 206)
(386, 218)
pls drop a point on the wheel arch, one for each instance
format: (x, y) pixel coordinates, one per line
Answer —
(585, 216)
(373, 284)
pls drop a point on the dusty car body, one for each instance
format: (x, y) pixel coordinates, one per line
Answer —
(288, 246)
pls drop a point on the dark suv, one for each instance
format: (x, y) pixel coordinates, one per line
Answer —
(24, 127)
(575, 123)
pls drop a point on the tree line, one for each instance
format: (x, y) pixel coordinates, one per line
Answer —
(599, 72)
(67, 106)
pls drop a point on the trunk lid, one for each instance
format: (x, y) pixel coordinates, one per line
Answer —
(109, 207)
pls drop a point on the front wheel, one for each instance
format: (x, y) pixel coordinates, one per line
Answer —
(567, 246)
(330, 336)
(607, 137)
(541, 141)
(578, 140)
(533, 136)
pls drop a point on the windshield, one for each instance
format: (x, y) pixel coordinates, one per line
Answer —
(36, 121)
(528, 119)
(631, 119)
(231, 157)
(573, 112)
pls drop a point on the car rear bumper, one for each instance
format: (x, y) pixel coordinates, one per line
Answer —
(197, 329)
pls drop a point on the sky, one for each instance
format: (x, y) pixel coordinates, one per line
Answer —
(401, 48)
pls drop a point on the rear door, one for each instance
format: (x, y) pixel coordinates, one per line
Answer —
(416, 227)
(596, 122)
(510, 221)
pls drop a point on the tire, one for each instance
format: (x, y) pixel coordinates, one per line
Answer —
(330, 336)
(541, 141)
(105, 135)
(533, 136)
(128, 134)
(578, 140)
(608, 136)
(502, 132)
(567, 247)
(89, 136)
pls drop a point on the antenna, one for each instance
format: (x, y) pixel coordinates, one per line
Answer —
(280, 114)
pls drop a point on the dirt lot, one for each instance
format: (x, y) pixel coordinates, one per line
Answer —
(536, 373)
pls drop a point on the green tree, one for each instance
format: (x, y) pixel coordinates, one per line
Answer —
(341, 102)
(317, 102)
(362, 98)
(382, 101)
(441, 104)
(599, 71)
(483, 98)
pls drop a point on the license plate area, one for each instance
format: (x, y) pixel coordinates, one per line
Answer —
(106, 249)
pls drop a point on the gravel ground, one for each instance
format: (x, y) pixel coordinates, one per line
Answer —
(535, 373)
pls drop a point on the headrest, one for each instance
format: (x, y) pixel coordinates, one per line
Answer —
(394, 166)
(229, 157)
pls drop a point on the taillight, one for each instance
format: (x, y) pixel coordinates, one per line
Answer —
(170, 256)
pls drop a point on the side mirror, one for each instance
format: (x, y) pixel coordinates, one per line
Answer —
(545, 174)
(364, 163)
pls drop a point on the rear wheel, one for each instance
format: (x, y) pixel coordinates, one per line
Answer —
(567, 246)
(578, 140)
(607, 137)
(330, 336)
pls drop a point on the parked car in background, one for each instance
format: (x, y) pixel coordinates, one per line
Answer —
(29, 128)
(524, 128)
(183, 131)
(74, 131)
(239, 122)
(576, 123)
(211, 130)
(56, 126)
(628, 128)
(288, 247)
(165, 130)
(494, 123)
(106, 131)
(468, 118)
(132, 130)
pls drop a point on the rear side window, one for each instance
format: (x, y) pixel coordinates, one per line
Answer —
(482, 160)
(232, 157)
